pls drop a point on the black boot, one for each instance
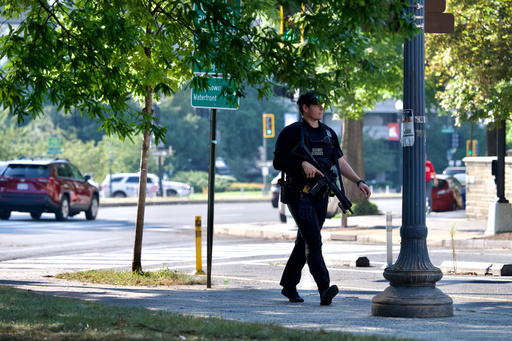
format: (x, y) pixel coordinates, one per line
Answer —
(328, 294)
(292, 295)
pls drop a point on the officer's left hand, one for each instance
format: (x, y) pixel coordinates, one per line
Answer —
(365, 189)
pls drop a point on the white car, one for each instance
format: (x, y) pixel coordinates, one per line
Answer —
(127, 185)
(172, 188)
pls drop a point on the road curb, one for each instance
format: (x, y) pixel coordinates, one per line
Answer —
(473, 244)
(113, 202)
(476, 268)
(123, 203)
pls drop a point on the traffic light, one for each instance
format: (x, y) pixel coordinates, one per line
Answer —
(287, 28)
(435, 20)
(471, 148)
(268, 126)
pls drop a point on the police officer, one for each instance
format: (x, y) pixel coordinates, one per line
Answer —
(309, 211)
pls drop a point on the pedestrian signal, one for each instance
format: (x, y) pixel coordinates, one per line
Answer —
(455, 140)
(268, 125)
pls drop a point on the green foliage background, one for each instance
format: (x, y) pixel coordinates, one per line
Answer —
(239, 138)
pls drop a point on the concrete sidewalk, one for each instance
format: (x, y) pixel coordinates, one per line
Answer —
(248, 300)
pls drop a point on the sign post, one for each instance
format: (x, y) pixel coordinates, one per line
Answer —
(212, 99)
(268, 132)
(211, 194)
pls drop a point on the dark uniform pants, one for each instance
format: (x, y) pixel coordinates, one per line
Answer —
(308, 245)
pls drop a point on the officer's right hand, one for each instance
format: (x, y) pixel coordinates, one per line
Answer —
(310, 170)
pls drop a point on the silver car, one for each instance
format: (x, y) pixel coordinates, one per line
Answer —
(127, 185)
(172, 188)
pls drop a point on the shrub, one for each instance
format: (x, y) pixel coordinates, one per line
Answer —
(199, 180)
(247, 186)
(222, 182)
(366, 208)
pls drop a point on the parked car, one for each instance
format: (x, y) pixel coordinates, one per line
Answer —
(332, 207)
(55, 186)
(454, 170)
(127, 185)
(172, 188)
(458, 173)
(448, 194)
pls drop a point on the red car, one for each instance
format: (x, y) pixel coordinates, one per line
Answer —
(448, 194)
(55, 186)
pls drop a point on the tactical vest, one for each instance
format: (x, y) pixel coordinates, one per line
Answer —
(322, 149)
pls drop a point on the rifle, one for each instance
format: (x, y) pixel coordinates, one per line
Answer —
(327, 180)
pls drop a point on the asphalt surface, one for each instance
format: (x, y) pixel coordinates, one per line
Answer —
(474, 318)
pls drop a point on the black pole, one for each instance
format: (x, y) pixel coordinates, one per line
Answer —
(264, 173)
(111, 161)
(160, 176)
(500, 171)
(211, 193)
(412, 291)
(110, 182)
(471, 141)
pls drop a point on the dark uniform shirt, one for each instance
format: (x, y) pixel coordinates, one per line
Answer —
(290, 137)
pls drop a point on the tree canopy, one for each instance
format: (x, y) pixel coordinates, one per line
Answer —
(473, 65)
(94, 56)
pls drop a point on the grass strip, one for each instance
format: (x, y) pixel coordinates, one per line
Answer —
(27, 315)
(162, 277)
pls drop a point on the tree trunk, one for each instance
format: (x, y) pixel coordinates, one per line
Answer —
(141, 203)
(353, 152)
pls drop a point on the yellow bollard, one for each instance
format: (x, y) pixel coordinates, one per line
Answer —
(199, 266)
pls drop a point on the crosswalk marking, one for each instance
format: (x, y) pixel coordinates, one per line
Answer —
(166, 255)
(226, 252)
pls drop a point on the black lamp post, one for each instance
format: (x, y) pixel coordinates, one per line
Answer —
(412, 291)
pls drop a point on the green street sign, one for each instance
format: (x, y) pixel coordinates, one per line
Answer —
(210, 98)
(53, 146)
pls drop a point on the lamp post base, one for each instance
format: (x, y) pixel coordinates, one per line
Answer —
(412, 301)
